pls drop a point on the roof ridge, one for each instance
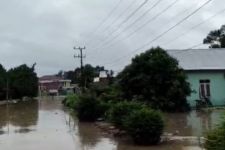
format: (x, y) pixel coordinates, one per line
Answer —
(208, 49)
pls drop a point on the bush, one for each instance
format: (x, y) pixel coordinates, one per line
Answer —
(145, 126)
(71, 101)
(103, 109)
(121, 110)
(155, 77)
(216, 138)
(88, 108)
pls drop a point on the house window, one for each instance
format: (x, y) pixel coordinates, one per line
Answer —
(204, 89)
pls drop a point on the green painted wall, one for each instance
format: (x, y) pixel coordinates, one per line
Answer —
(217, 86)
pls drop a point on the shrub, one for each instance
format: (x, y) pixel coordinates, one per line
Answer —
(88, 108)
(112, 93)
(145, 126)
(156, 77)
(216, 138)
(71, 101)
(103, 109)
(121, 110)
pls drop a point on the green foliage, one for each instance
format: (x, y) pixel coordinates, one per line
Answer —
(23, 81)
(103, 109)
(89, 72)
(216, 138)
(71, 101)
(88, 75)
(216, 38)
(119, 112)
(155, 77)
(107, 93)
(2, 82)
(145, 126)
(88, 108)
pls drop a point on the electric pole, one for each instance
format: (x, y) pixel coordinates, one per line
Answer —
(80, 56)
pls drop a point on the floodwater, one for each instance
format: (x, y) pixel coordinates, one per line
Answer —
(47, 125)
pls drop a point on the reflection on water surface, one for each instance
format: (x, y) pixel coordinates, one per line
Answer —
(45, 124)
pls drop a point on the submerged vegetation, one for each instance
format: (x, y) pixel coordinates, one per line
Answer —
(145, 126)
(137, 119)
(153, 82)
(123, 110)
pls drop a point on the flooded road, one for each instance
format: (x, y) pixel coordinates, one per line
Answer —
(46, 125)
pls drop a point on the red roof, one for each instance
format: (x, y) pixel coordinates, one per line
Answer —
(50, 77)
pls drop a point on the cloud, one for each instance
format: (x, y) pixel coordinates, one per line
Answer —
(45, 31)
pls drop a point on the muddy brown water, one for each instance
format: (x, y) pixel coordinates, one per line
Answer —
(47, 125)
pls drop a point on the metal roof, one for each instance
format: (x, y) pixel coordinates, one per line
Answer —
(50, 77)
(200, 59)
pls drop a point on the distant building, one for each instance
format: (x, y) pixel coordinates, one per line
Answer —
(205, 69)
(103, 77)
(53, 85)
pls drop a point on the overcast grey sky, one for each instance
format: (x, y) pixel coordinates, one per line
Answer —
(45, 31)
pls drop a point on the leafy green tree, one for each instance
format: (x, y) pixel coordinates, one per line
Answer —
(23, 81)
(216, 38)
(156, 78)
(2, 82)
(89, 73)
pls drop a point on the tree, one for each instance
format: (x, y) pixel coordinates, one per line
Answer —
(216, 38)
(2, 82)
(23, 81)
(60, 74)
(156, 78)
(89, 72)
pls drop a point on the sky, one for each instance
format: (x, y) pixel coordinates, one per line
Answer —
(113, 31)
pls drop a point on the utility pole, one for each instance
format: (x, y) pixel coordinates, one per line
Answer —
(80, 56)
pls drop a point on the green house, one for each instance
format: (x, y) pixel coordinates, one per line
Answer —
(205, 69)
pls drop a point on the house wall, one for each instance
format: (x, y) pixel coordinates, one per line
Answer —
(217, 86)
(67, 84)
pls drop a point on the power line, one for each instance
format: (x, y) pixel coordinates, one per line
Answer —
(115, 20)
(130, 16)
(144, 14)
(168, 30)
(146, 23)
(107, 17)
(135, 21)
(180, 51)
(180, 13)
(178, 23)
(195, 26)
(125, 20)
(118, 17)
